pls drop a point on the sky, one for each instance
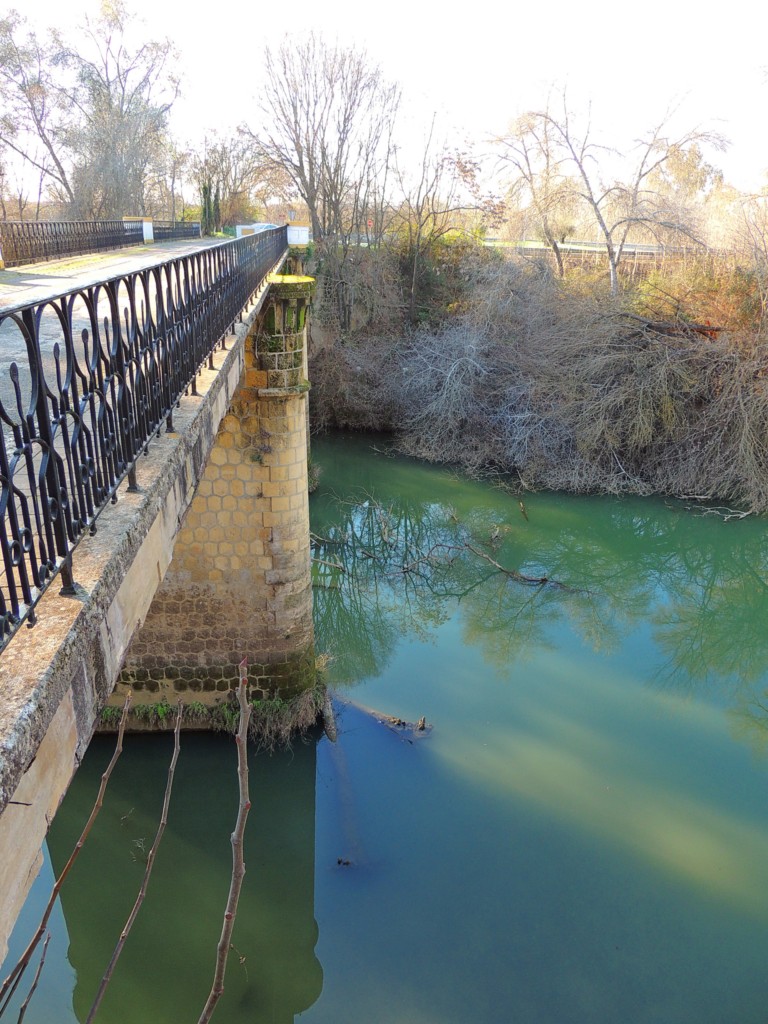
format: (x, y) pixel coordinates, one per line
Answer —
(479, 65)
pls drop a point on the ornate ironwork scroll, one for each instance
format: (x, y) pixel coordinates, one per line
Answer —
(86, 379)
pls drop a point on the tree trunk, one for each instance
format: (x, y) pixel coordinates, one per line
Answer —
(614, 272)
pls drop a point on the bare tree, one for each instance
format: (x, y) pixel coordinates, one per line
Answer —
(167, 191)
(91, 118)
(245, 180)
(33, 105)
(14, 194)
(619, 205)
(538, 178)
(327, 120)
(434, 197)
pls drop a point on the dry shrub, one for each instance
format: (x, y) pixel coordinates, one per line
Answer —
(445, 394)
(718, 289)
(358, 289)
(572, 392)
(276, 723)
(722, 452)
(351, 386)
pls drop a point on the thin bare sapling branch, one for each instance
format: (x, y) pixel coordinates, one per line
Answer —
(238, 862)
(12, 981)
(33, 986)
(147, 872)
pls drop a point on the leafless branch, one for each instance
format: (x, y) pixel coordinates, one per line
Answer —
(238, 862)
(14, 977)
(147, 872)
(38, 972)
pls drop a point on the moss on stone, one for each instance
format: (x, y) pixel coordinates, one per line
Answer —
(288, 286)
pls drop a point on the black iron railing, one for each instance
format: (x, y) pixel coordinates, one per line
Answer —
(31, 241)
(86, 379)
(164, 230)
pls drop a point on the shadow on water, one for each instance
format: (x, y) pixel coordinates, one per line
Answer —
(166, 969)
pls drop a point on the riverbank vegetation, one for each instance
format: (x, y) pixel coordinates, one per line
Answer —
(273, 723)
(563, 385)
(621, 349)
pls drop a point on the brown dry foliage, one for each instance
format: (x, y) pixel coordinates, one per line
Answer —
(568, 391)
(275, 724)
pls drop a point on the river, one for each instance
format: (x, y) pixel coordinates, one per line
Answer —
(578, 836)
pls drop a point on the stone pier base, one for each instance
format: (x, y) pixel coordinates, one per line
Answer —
(239, 585)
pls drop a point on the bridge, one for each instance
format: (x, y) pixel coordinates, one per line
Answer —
(154, 511)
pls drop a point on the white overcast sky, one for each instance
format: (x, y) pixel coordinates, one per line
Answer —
(480, 64)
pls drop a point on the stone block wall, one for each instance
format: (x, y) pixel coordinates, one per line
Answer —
(239, 584)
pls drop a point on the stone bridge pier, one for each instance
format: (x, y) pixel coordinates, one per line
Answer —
(239, 582)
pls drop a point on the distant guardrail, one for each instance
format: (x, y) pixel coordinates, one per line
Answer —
(166, 230)
(87, 378)
(32, 241)
(629, 249)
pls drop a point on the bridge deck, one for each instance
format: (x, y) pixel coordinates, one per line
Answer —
(38, 281)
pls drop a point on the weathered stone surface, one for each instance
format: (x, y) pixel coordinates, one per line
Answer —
(24, 823)
(117, 572)
(237, 513)
(240, 582)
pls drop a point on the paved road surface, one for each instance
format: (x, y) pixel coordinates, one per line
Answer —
(37, 281)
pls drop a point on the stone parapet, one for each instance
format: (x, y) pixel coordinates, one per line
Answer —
(56, 677)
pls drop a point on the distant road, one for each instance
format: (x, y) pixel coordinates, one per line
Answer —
(630, 249)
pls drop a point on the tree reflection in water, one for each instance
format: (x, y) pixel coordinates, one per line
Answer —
(388, 567)
(383, 572)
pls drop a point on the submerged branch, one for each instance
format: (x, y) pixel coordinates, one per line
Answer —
(727, 514)
(512, 573)
(536, 581)
(398, 725)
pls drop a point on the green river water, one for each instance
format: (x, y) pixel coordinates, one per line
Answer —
(581, 837)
